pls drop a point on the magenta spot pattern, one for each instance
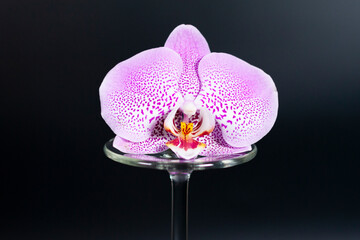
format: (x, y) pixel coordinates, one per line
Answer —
(154, 144)
(216, 145)
(136, 96)
(242, 98)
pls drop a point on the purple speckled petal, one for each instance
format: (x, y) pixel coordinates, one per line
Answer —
(172, 121)
(205, 123)
(150, 145)
(216, 145)
(147, 158)
(242, 97)
(139, 91)
(188, 42)
(154, 144)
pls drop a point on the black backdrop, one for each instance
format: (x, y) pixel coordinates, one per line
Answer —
(56, 182)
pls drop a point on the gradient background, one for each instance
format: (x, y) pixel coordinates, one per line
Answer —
(56, 182)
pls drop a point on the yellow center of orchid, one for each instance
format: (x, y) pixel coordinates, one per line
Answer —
(186, 128)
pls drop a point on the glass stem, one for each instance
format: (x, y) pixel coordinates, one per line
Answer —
(179, 205)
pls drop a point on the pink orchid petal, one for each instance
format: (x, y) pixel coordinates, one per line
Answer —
(191, 45)
(205, 123)
(242, 97)
(172, 121)
(154, 144)
(139, 91)
(149, 160)
(150, 145)
(216, 145)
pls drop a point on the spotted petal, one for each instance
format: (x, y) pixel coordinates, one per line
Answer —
(242, 97)
(205, 123)
(190, 44)
(139, 91)
(216, 145)
(154, 144)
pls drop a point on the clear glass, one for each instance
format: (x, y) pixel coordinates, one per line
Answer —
(180, 171)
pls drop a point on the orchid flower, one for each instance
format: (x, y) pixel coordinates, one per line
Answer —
(183, 97)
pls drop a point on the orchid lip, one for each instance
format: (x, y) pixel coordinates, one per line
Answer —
(185, 146)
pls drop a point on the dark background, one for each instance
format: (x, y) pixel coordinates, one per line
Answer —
(56, 182)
